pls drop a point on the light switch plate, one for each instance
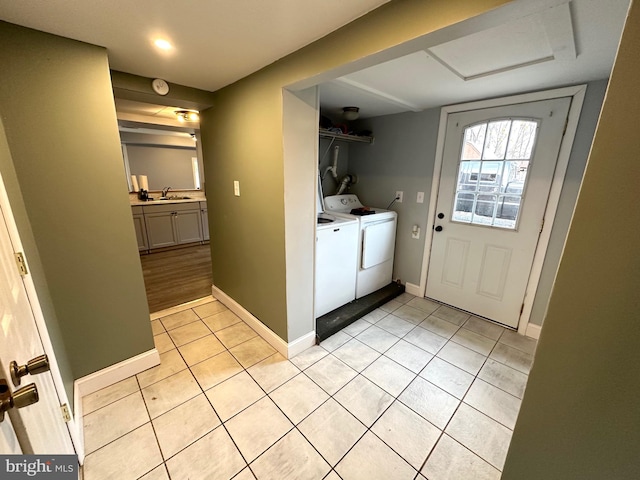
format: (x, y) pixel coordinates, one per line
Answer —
(236, 188)
(420, 197)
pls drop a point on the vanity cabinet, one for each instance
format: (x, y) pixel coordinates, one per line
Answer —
(188, 224)
(205, 220)
(172, 224)
(140, 228)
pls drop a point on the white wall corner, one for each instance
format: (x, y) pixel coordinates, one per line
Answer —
(299, 345)
(412, 289)
(300, 152)
(533, 331)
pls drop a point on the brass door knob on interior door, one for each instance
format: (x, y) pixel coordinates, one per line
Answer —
(33, 367)
(22, 397)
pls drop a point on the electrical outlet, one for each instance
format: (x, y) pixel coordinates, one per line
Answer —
(236, 188)
(399, 196)
(415, 233)
(420, 197)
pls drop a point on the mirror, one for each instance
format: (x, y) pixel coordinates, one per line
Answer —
(168, 158)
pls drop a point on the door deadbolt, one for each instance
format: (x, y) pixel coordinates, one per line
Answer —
(33, 367)
(22, 397)
(441, 215)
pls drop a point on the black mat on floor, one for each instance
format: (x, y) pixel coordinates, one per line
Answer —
(334, 321)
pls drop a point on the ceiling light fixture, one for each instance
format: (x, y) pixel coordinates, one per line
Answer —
(350, 113)
(163, 44)
(187, 116)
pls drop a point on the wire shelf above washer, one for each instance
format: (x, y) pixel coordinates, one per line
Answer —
(347, 138)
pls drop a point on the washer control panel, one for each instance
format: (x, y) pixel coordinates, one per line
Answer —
(341, 203)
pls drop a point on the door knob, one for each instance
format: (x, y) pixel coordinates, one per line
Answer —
(439, 228)
(33, 367)
(441, 215)
(22, 397)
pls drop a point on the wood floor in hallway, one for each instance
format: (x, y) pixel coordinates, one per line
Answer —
(177, 276)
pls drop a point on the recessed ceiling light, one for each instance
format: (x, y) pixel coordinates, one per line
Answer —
(163, 44)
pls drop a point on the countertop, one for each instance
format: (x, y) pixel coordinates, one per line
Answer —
(135, 203)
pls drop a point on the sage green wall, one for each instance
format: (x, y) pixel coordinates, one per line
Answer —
(579, 417)
(242, 139)
(19, 212)
(58, 112)
(402, 158)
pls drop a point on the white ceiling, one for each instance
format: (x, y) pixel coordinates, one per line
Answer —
(561, 43)
(216, 42)
(570, 43)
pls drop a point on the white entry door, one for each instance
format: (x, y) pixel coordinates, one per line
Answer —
(40, 427)
(497, 168)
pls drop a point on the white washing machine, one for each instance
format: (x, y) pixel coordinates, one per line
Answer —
(376, 242)
(336, 260)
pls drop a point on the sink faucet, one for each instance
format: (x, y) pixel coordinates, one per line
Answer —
(165, 190)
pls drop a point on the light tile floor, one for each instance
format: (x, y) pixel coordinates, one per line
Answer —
(413, 390)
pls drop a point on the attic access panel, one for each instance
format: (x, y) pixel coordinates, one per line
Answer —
(526, 41)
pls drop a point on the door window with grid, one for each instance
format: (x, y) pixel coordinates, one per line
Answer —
(492, 172)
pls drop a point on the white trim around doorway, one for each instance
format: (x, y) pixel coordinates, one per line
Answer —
(577, 94)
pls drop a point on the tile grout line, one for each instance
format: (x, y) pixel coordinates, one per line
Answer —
(460, 401)
(202, 392)
(331, 396)
(155, 434)
(456, 410)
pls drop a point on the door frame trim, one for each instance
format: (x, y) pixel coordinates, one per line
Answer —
(577, 94)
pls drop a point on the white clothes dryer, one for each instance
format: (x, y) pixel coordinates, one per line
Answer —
(376, 243)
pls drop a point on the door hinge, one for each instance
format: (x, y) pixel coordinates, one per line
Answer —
(541, 226)
(522, 309)
(66, 415)
(566, 124)
(22, 265)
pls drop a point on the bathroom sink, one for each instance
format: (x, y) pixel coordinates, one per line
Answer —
(174, 197)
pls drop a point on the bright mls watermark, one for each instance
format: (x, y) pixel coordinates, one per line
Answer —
(51, 467)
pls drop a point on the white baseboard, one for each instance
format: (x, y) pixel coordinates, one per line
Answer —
(301, 344)
(75, 426)
(285, 349)
(113, 374)
(104, 378)
(412, 289)
(261, 329)
(533, 331)
(180, 308)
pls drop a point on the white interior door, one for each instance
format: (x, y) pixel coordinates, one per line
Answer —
(40, 427)
(9, 444)
(498, 165)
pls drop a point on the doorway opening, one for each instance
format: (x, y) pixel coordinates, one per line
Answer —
(164, 168)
